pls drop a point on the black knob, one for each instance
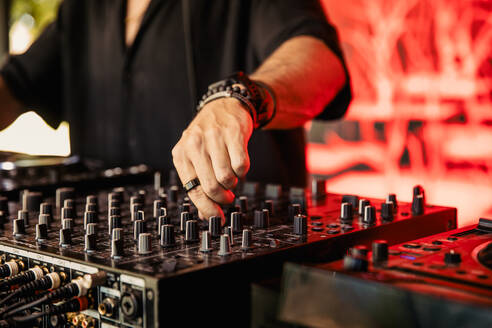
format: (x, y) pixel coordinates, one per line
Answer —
(418, 205)
(70, 203)
(246, 241)
(91, 208)
(362, 204)
(318, 188)
(185, 216)
(113, 223)
(144, 243)
(135, 209)
(268, 205)
(41, 232)
(346, 212)
(236, 222)
(65, 237)
(4, 205)
(117, 248)
(242, 202)
(18, 228)
(62, 194)
(140, 215)
(191, 234)
(168, 239)
(162, 220)
(157, 206)
(369, 215)
(300, 225)
(67, 224)
(91, 199)
(89, 217)
(185, 207)
(163, 199)
(114, 211)
(118, 194)
(90, 242)
(452, 258)
(117, 233)
(31, 201)
(262, 219)
(67, 213)
(172, 194)
(387, 211)
(293, 210)
(44, 219)
(138, 228)
(392, 198)
(355, 263)
(46, 208)
(228, 231)
(418, 190)
(359, 251)
(352, 199)
(379, 251)
(24, 216)
(214, 226)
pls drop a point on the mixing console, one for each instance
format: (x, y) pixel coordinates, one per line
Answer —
(153, 256)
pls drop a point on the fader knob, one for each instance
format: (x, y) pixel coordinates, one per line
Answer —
(18, 228)
(300, 225)
(206, 243)
(346, 212)
(214, 225)
(145, 243)
(236, 222)
(262, 219)
(452, 257)
(379, 251)
(31, 201)
(41, 232)
(24, 216)
(246, 241)
(4, 205)
(168, 238)
(225, 245)
(362, 205)
(387, 211)
(191, 234)
(138, 228)
(62, 194)
(65, 237)
(369, 215)
(418, 205)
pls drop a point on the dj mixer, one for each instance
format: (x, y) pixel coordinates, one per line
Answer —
(138, 256)
(443, 280)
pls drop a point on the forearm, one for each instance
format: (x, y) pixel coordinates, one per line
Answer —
(305, 75)
(10, 108)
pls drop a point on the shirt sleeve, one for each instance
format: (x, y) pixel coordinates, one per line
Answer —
(276, 21)
(34, 77)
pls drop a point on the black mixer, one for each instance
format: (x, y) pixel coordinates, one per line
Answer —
(443, 280)
(136, 256)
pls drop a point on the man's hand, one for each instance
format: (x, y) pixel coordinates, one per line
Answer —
(214, 148)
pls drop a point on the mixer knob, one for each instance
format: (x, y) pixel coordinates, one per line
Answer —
(31, 201)
(135, 208)
(191, 234)
(114, 222)
(391, 198)
(91, 208)
(452, 258)
(4, 205)
(273, 191)
(140, 216)
(246, 241)
(352, 199)
(117, 248)
(300, 225)
(346, 212)
(387, 211)
(168, 239)
(162, 220)
(67, 224)
(369, 215)
(379, 251)
(114, 211)
(145, 243)
(236, 222)
(117, 233)
(157, 206)
(91, 229)
(228, 231)
(262, 219)
(91, 199)
(359, 251)
(268, 205)
(65, 237)
(242, 202)
(163, 199)
(90, 242)
(185, 207)
(71, 204)
(214, 226)
(62, 194)
(24, 216)
(67, 213)
(41, 232)
(142, 193)
(89, 217)
(225, 245)
(172, 194)
(418, 190)
(362, 205)
(318, 188)
(138, 228)
(119, 193)
(294, 209)
(185, 216)
(418, 205)
(18, 228)
(44, 219)
(135, 200)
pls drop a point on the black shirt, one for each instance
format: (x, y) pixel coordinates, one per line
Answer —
(130, 105)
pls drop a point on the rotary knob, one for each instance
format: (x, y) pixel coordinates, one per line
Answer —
(391, 198)
(70, 203)
(41, 232)
(91, 199)
(452, 258)
(236, 222)
(117, 245)
(24, 216)
(89, 217)
(44, 219)
(46, 208)
(214, 225)
(18, 228)
(300, 225)
(144, 243)
(157, 206)
(138, 228)
(268, 205)
(293, 210)
(369, 215)
(90, 238)
(3, 219)
(163, 199)
(418, 205)
(135, 211)
(185, 216)
(168, 238)
(185, 207)
(262, 219)
(387, 211)
(65, 237)
(67, 224)
(162, 220)
(117, 233)
(225, 245)
(379, 251)
(67, 213)
(242, 202)
(346, 212)
(191, 234)
(91, 208)
(228, 231)
(352, 199)
(114, 211)
(62, 194)
(113, 223)
(31, 201)
(355, 264)
(206, 243)
(246, 241)
(362, 205)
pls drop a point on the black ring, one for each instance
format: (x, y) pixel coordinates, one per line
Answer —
(192, 184)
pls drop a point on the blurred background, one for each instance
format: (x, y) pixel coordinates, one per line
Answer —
(422, 110)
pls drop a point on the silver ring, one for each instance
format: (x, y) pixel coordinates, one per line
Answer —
(192, 184)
